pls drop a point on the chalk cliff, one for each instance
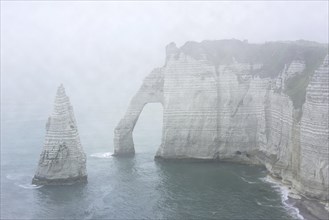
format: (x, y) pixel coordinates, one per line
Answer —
(150, 92)
(62, 160)
(250, 103)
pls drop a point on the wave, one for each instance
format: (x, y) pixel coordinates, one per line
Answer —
(268, 199)
(247, 180)
(262, 204)
(22, 181)
(102, 155)
(29, 186)
(284, 192)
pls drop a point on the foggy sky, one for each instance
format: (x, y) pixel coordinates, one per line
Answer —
(101, 51)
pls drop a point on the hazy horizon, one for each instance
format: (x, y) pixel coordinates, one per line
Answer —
(264, 110)
(101, 51)
(103, 47)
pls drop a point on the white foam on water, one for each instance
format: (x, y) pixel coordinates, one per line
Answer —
(268, 199)
(247, 180)
(261, 204)
(22, 181)
(258, 203)
(284, 192)
(327, 207)
(102, 155)
(29, 186)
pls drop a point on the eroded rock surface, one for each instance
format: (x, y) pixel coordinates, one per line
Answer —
(150, 92)
(230, 100)
(62, 160)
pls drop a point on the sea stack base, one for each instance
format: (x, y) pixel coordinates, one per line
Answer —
(67, 181)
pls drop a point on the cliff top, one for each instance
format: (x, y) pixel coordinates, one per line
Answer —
(273, 55)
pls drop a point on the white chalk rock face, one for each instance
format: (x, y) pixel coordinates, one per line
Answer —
(150, 92)
(229, 100)
(314, 137)
(190, 108)
(62, 160)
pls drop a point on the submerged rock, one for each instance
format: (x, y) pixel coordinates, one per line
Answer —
(62, 161)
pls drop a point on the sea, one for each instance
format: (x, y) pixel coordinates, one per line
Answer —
(137, 187)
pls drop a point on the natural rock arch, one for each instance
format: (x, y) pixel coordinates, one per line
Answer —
(244, 115)
(151, 91)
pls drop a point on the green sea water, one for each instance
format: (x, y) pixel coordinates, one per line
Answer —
(137, 187)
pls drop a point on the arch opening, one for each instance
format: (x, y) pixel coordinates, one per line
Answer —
(147, 133)
(150, 92)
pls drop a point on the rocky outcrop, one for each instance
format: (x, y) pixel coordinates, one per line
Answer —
(62, 160)
(298, 138)
(230, 100)
(150, 92)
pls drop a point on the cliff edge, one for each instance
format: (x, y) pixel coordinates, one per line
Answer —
(230, 100)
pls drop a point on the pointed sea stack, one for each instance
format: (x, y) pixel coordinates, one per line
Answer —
(62, 161)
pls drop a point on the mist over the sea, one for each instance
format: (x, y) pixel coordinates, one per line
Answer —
(101, 51)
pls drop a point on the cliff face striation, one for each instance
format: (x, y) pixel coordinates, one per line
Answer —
(62, 160)
(249, 103)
